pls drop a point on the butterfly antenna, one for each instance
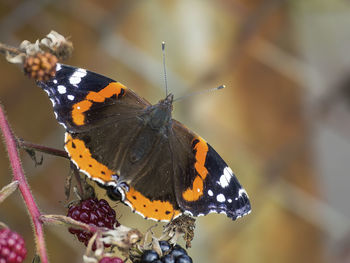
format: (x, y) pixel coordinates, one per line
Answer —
(199, 92)
(164, 68)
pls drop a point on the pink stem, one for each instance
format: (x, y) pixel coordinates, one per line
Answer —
(18, 175)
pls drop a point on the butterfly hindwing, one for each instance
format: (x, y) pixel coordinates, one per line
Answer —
(113, 155)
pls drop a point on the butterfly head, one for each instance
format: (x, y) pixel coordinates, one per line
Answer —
(158, 116)
(168, 100)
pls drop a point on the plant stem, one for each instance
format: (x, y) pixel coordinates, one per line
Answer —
(65, 220)
(40, 148)
(4, 49)
(19, 176)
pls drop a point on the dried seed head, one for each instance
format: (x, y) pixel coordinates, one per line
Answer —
(41, 66)
(53, 43)
(58, 45)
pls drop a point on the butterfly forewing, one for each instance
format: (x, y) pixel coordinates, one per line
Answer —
(83, 99)
(205, 184)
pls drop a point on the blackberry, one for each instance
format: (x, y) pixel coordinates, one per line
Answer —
(178, 251)
(168, 258)
(183, 259)
(110, 260)
(12, 247)
(93, 212)
(164, 246)
(149, 256)
(171, 254)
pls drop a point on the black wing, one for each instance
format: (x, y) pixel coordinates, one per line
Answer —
(204, 182)
(83, 100)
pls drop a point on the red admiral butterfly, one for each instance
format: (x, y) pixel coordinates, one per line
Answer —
(154, 163)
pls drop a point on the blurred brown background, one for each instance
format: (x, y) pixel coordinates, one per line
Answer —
(282, 123)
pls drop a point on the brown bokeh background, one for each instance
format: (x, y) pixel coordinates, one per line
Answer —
(282, 123)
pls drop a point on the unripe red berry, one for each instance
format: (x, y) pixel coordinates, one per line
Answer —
(12, 247)
(92, 212)
(111, 260)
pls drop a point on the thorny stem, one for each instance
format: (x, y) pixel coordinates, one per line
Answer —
(4, 49)
(18, 175)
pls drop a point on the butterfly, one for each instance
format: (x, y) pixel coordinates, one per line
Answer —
(153, 163)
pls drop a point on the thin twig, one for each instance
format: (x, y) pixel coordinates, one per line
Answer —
(40, 148)
(18, 175)
(4, 49)
(78, 179)
(65, 220)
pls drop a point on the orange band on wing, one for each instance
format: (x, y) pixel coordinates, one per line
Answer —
(78, 111)
(81, 156)
(196, 191)
(156, 209)
(113, 88)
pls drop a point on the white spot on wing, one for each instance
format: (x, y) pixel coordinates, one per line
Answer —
(242, 192)
(77, 76)
(61, 89)
(74, 81)
(79, 73)
(58, 67)
(220, 198)
(210, 193)
(225, 179)
(70, 97)
(55, 81)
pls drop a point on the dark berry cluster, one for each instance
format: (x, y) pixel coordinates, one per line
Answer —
(93, 212)
(171, 254)
(110, 260)
(12, 247)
